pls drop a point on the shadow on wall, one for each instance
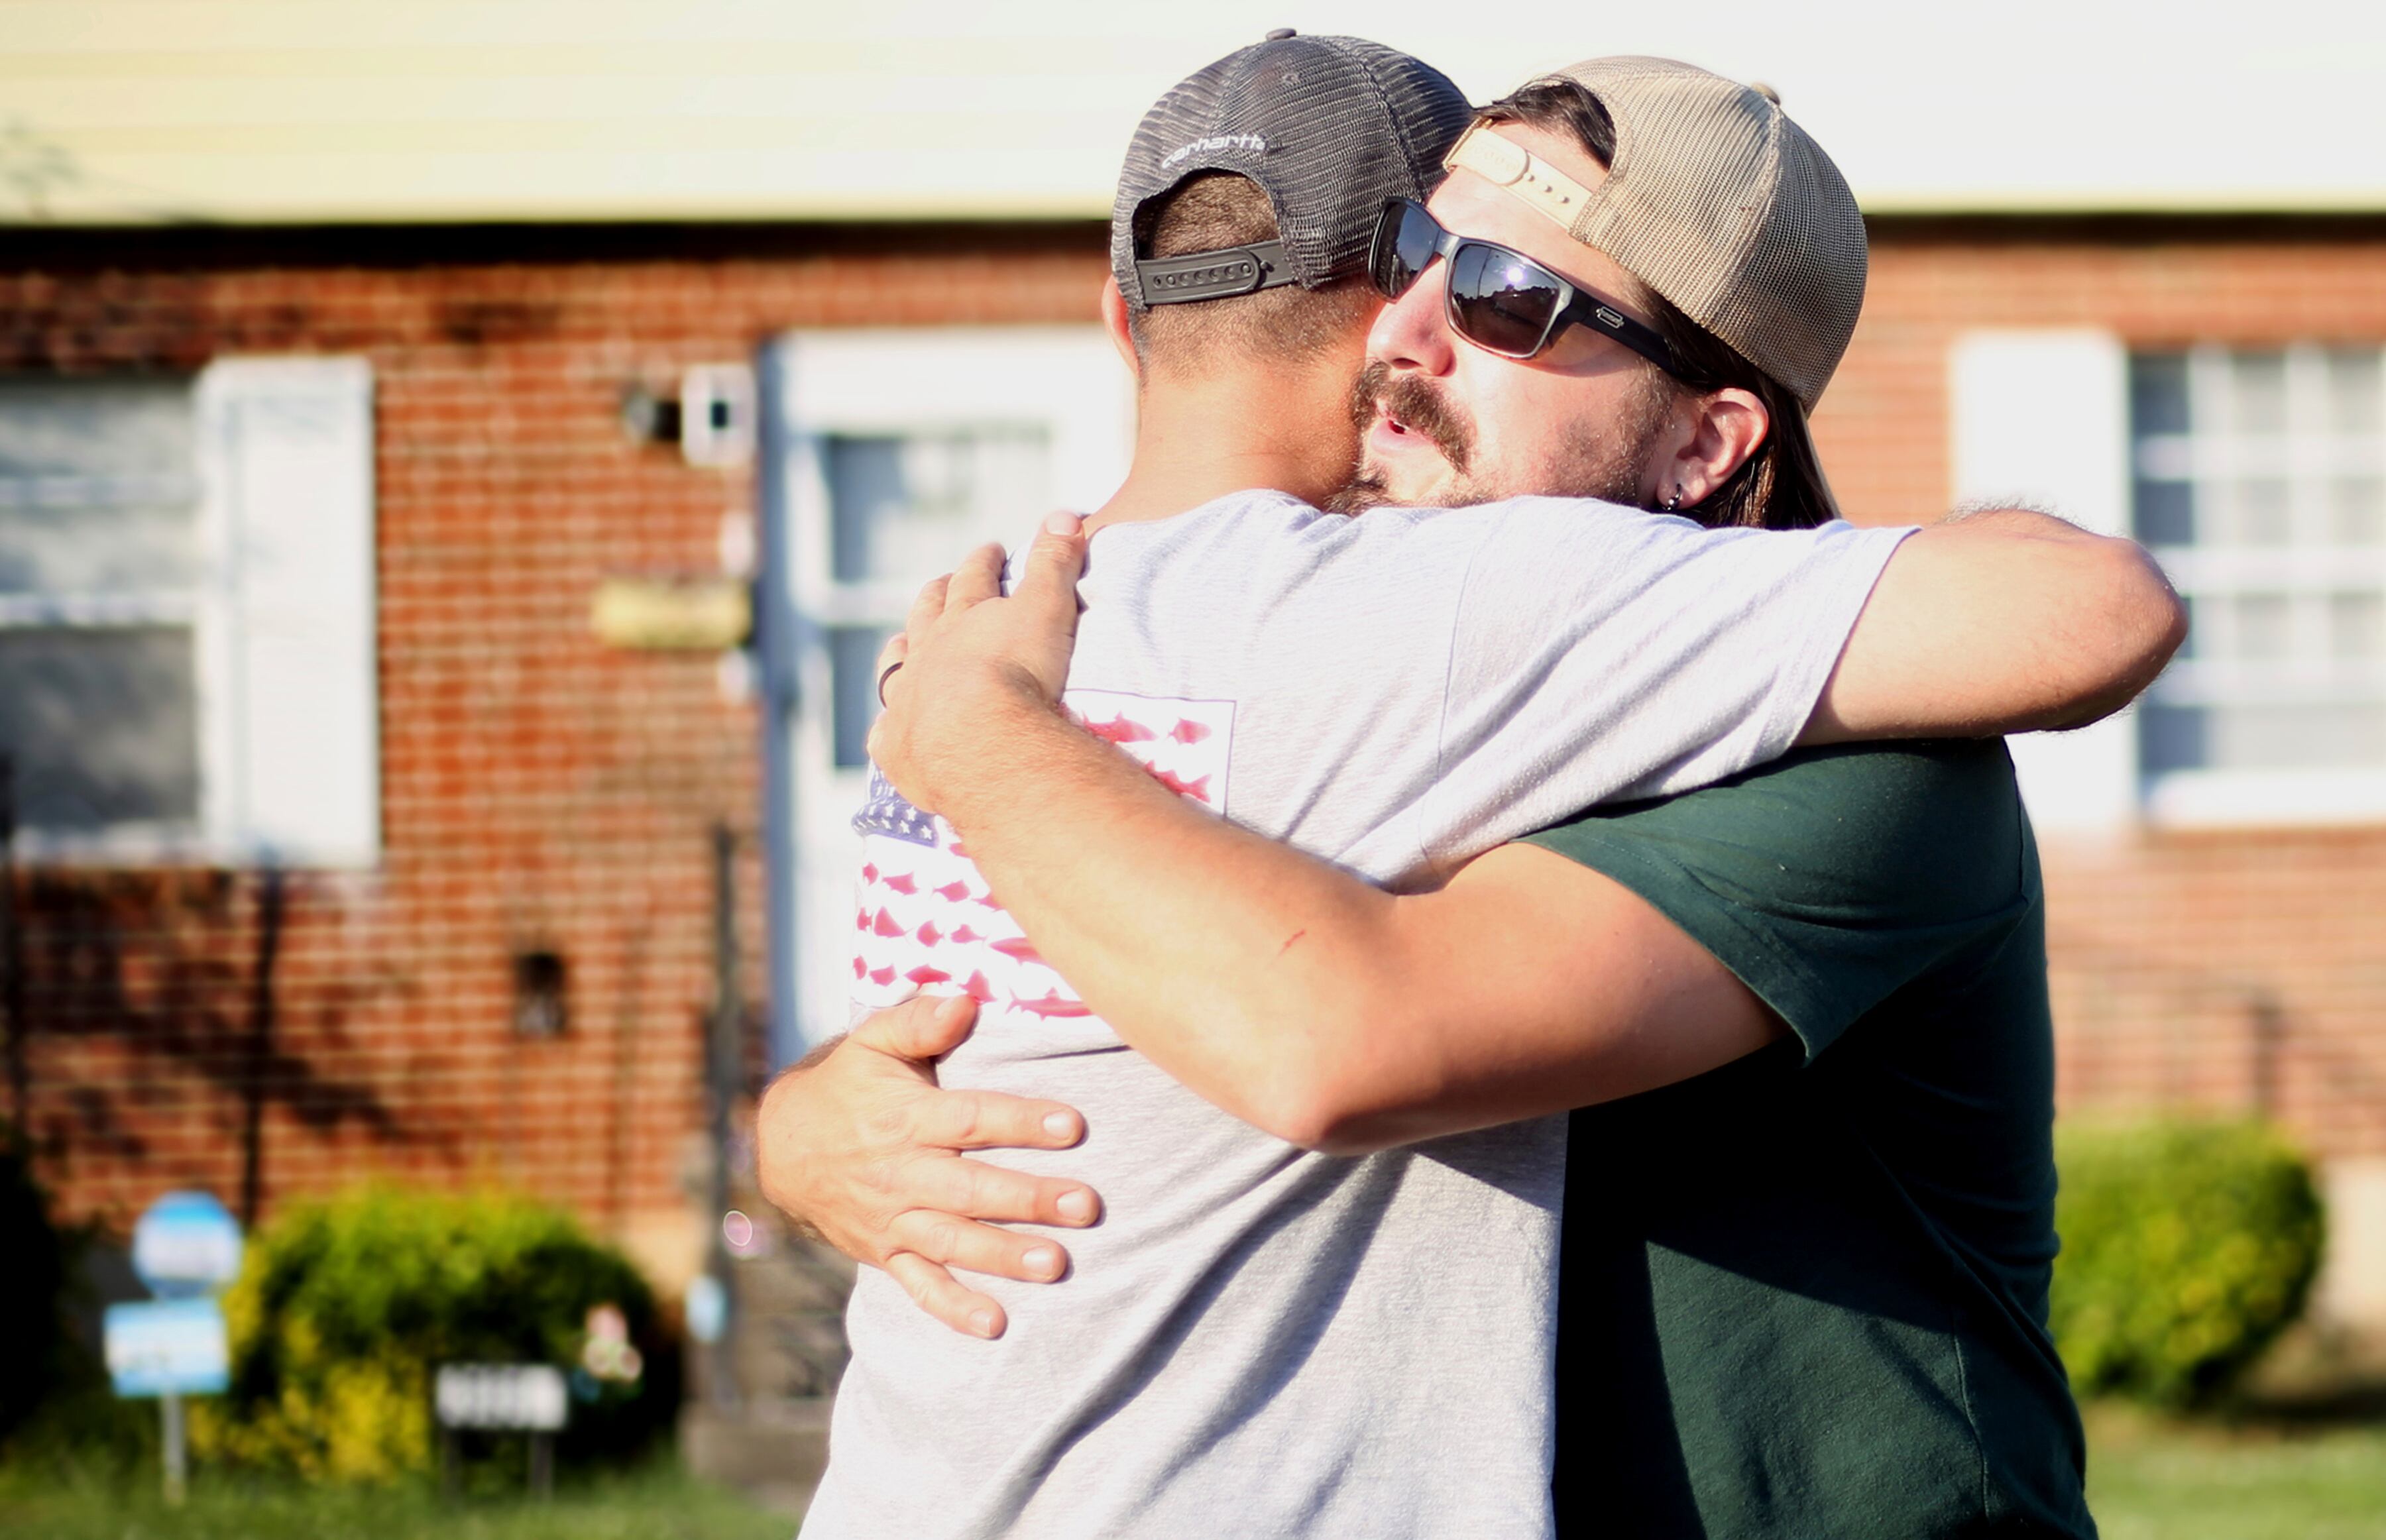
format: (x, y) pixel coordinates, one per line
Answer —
(177, 971)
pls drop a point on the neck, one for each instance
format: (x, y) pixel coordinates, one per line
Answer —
(1235, 431)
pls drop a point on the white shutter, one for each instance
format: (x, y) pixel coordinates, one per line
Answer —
(289, 703)
(2043, 418)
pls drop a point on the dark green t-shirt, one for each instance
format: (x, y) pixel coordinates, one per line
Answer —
(1805, 1294)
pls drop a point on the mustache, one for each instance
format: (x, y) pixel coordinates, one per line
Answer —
(1419, 408)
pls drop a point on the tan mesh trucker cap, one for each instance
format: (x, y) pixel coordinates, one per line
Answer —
(1720, 203)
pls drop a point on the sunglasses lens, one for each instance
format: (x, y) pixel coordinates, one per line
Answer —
(1404, 243)
(1499, 301)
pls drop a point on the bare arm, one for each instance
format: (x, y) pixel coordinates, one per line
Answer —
(1306, 1002)
(2001, 622)
(1319, 1009)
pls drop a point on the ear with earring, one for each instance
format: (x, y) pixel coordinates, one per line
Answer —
(1673, 504)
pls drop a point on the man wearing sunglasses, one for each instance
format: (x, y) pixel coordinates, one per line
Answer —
(1290, 1343)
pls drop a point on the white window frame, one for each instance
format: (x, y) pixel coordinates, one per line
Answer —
(283, 614)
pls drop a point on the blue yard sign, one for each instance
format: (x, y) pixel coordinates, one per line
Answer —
(168, 1347)
(187, 1249)
(187, 1244)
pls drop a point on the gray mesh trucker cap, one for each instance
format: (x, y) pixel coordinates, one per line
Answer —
(1329, 127)
(1720, 203)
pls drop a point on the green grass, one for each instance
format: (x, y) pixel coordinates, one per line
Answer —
(2149, 1478)
(2155, 1479)
(657, 1503)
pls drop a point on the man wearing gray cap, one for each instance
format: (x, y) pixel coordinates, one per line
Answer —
(1291, 1343)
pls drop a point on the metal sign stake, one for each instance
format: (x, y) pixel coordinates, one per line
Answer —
(169, 1406)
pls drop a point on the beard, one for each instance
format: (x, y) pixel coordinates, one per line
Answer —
(1606, 460)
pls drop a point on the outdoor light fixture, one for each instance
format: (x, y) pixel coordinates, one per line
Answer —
(712, 421)
(538, 994)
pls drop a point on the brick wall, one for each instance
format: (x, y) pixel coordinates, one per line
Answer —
(539, 790)
(542, 792)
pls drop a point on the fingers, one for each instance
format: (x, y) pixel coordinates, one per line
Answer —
(926, 608)
(1048, 586)
(927, 1027)
(973, 1190)
(976, 580)
(985, 1120)
(935, 1291)
(953, 1242)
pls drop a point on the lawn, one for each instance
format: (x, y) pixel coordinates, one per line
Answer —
(658, 1503)
(2150, 1479)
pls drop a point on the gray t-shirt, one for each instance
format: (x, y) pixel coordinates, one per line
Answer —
(1259, 1340)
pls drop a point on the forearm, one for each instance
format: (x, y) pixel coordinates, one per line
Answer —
(1312, 1005)
(2001, 622)
(1240, 965)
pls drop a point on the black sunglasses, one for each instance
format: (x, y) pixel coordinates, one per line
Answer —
(1501, 300)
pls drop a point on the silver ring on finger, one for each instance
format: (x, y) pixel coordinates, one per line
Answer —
(884, 675)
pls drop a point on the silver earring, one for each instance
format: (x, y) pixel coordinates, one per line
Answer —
(1673, 504)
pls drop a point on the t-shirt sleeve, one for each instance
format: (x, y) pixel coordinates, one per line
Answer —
(1832, 879)
(1601, 652)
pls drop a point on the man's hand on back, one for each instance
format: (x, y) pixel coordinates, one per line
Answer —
(859, 1145)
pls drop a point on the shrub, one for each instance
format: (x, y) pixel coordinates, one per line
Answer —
(2187, 1248)
(345, 1310)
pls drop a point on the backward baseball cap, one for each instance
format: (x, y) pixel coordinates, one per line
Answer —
(1330, 128)
(1731, 211)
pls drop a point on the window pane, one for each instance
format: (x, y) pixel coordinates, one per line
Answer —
(2358, 514)
(2170, 737)
(907, 507)
(2167, 513)
(2354, 391)
(101, 726)
(2265, 626)
(98, 494)
(2357, 625)
(2264, 515)
(2258, 392)
(2158, 394)
(853, 673)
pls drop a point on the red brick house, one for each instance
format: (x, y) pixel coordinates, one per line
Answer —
(347, 845)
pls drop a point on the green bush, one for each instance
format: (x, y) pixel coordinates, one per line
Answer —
(2187, 1248)
(345, 1310)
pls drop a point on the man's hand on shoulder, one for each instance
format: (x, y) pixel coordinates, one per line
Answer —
(860, 1148)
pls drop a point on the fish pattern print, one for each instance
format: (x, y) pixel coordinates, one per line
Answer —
(926, 921)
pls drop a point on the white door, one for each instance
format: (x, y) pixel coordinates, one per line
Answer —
(889, 453)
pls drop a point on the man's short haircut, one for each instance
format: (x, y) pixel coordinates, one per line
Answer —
(1212, 211)
(1780, 486)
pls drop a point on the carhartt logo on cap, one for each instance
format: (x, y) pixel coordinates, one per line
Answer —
(1213, 144)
